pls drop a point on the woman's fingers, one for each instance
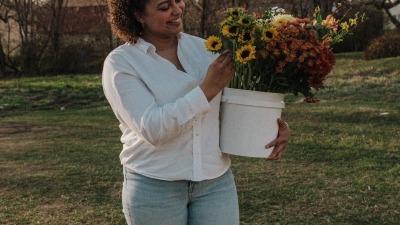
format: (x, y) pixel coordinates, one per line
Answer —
(219, 73)
(226, 60)
(222, 56)
(280, 142)
(224, 68)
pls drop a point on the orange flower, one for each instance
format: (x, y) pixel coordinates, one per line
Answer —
(330, 22)
(263, 53)
(291, 57)
(277, 52)
(282, 63)
(301, 58)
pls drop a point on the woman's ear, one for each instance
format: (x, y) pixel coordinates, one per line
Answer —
(138, 17)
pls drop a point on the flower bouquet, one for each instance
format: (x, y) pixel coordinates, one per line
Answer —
(277, 53)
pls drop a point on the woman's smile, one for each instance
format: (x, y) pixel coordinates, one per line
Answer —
(176, 21)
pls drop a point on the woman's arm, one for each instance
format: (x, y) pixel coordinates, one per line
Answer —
(134, 105)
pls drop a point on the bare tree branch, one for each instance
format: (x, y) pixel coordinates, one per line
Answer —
(196, 4)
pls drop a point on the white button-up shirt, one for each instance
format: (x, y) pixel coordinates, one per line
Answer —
(169, 129)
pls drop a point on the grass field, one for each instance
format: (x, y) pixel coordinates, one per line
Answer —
(59, 146)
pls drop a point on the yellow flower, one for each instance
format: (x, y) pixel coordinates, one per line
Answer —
(317, 11)
(227, 20)
(213, 43)
(235, 12)
(282, 18)
(246, 53)
(344, 26)
(245, 21)
(268, 34)
(258, 26)
(353, 22)
(230, 31)
(246, 37)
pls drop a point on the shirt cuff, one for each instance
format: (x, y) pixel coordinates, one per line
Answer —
(198, 101)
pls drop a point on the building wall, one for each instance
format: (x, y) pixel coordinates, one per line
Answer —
(85, 19)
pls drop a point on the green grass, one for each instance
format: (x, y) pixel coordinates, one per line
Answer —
(50, 92)
(342, 165)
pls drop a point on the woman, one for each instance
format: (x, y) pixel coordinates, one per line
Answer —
(164, 88)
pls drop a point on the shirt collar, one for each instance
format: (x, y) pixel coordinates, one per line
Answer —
(147, 46)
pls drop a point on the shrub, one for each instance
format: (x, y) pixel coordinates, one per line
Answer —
(384, 46)
(76, 55)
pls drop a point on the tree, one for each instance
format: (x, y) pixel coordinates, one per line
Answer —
(6, 49)
(383, 5)
(103, 14)
(57, 9)
(39, 26)
(25, 12)
(302, 8)
(326, 6)
(4, 15)
(2, 61)
(49, 23)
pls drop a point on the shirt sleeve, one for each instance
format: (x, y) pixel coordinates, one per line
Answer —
(134, 105)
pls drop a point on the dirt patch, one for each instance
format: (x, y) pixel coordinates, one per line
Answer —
(16, 136)
(8, 129)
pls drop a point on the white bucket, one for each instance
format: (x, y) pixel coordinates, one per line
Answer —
(249, 121)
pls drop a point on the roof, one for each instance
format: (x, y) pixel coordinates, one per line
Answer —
(80, 3)
(395, 10)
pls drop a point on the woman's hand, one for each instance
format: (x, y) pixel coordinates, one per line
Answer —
(219, 73)
(280, 142)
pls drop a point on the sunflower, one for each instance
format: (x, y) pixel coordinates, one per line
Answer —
(246, 37)
(245, 21)
(230, 31)
(246, 53)
(235, 12)
(213, 43)
(268, 34)
(226, 21)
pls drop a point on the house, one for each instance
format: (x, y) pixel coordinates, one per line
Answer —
(81, 17)
(395, 11)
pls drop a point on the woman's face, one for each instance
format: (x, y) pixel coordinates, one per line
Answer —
(162, 18)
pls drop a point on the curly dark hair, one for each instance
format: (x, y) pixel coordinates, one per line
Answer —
(122, 20)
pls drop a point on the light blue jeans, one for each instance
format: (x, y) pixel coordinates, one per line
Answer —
(148, 201)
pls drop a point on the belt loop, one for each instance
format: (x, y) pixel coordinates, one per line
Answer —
(191, 186)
